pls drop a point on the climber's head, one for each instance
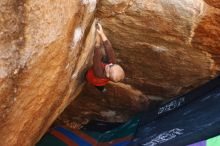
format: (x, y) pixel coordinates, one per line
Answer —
(114, 72)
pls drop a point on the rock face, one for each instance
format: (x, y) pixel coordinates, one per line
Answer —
(214, 3)
(118, 104)
(166, 48)
(44, 48)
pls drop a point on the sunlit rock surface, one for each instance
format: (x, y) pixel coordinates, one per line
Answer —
(166, 48)
(45, 46)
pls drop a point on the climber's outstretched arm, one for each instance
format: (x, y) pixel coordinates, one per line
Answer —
(108, 47)
(97, 63)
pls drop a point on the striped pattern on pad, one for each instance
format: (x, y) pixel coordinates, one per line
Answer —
(120, 136)
(61, 136)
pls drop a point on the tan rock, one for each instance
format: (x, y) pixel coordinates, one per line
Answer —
(214, 3)
(166, 48)
(155, 42)
(44, 49)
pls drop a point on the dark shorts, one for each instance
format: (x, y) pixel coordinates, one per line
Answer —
(100, 88)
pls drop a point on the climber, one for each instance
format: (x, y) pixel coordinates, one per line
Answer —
(104, 68)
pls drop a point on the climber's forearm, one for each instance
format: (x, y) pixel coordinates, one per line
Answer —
(109, 51)
(103, 36)
(108, 47)
(97, 63)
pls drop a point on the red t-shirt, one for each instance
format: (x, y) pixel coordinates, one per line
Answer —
(92, 79)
